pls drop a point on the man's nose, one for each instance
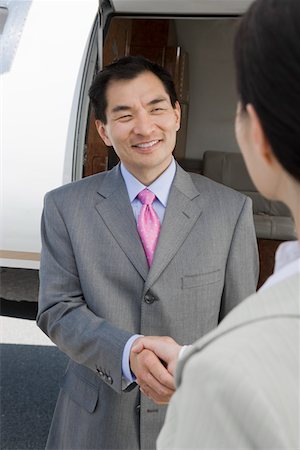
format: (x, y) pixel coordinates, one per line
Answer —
(144, 124)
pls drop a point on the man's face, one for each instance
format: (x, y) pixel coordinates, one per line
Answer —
(141, 125)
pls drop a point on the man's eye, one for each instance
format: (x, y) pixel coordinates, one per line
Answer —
(125, 117)
(157, 109)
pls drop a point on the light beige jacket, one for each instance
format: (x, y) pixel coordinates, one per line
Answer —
(239, 385)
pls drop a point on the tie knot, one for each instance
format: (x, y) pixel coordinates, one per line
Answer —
(146, 197)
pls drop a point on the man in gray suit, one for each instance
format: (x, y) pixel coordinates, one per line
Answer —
(98, 290)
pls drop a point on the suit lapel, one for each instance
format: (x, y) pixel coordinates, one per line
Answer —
(180, 217)
(115, 209)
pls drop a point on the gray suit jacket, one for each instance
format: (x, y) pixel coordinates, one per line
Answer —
(238, 387)
(96, 291)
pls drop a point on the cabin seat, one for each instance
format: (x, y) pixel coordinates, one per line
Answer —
(272, 220)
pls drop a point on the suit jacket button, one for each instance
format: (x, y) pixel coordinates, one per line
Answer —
(109, 380)
(149, 298)
(138, 409)
(100, 373)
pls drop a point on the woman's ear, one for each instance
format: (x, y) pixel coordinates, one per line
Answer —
(260, 142)
(102, 132)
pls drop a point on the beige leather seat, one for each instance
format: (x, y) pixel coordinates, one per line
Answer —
(272, 220)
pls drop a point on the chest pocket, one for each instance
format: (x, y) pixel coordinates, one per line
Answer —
(192, 281)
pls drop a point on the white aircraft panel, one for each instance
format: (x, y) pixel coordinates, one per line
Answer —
(38, 92)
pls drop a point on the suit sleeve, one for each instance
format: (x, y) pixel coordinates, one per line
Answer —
(242, 267)
(63, 313)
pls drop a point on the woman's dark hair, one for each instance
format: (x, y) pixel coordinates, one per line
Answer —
(267, 59)
(126, 68)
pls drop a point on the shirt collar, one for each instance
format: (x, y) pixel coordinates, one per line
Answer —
(287, 263)
(160, 187)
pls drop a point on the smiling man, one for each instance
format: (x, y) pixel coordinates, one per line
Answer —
(141, 125)
(145, 249)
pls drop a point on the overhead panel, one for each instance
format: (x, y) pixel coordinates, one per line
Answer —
(179, 7)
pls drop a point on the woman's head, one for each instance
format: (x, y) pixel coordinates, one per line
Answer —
(267, 58)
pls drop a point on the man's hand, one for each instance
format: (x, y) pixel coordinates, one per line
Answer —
(164, 347)
(154, 379)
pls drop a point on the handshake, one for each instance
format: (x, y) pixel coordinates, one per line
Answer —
(153, 360)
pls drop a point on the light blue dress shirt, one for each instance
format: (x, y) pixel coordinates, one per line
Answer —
(161, 188)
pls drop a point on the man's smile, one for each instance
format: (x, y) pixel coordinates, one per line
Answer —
(147, 144)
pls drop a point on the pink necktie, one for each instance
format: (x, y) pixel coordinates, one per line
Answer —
(148, 224)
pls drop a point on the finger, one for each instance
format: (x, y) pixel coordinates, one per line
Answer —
(146, 392)
(162, 347)
(162, 375)
(155, 397)
(148, 343)
(137, 347)
(148, 367)
(154, 389)
(160, 399)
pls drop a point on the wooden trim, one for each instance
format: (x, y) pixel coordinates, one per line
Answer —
(9, 254)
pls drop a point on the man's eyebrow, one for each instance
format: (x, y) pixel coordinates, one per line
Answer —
(157, 100)
(119, 108)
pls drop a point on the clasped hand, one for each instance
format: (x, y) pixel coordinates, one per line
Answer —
(153, 360)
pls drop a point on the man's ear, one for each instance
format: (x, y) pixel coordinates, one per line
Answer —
(260, 142)
(102, 132)
(177, 110)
